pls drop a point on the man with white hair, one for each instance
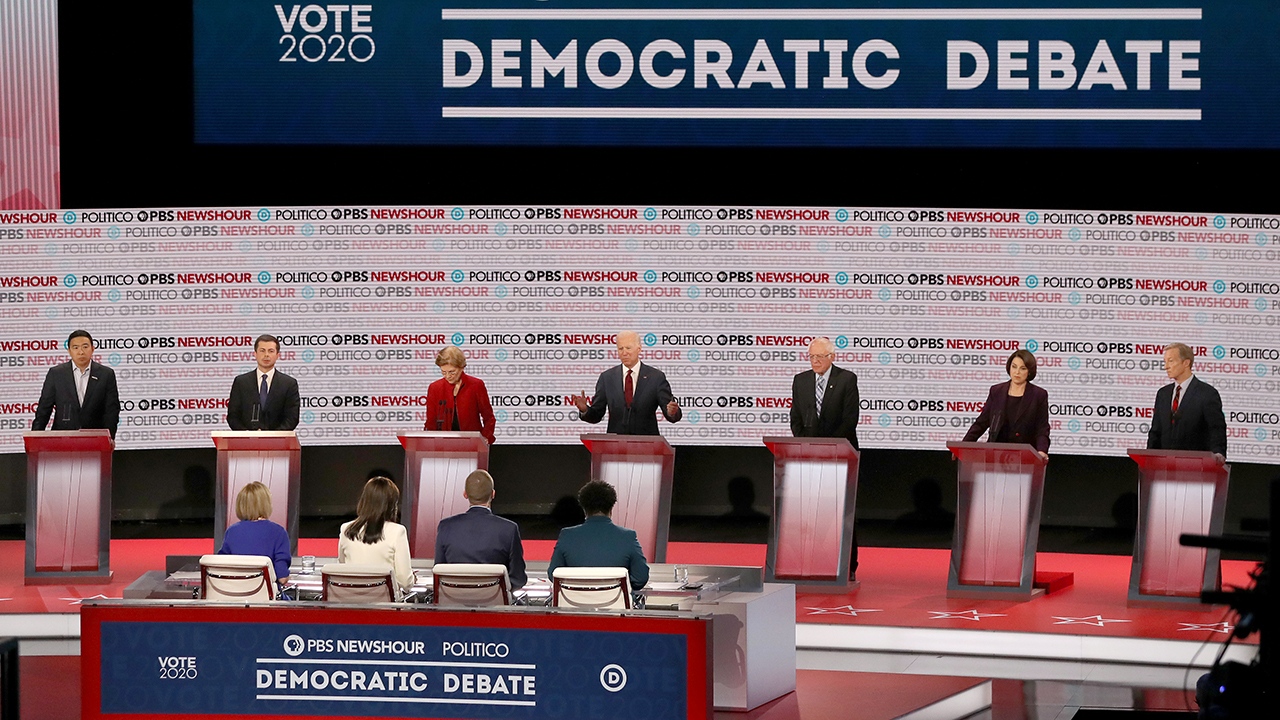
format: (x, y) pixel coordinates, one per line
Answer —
(824, 404)
(631, 392)
(824, 400)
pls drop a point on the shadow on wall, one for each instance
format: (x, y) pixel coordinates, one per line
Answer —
(196, 500)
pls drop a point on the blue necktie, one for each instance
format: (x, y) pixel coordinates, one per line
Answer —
(262, 393)
(822, 390)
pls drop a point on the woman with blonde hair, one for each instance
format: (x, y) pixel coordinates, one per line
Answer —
(374, 537)
(255, 534)
(458, 401)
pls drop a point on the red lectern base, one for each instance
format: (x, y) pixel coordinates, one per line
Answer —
(77, 577)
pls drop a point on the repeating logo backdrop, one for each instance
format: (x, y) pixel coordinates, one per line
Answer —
(925, 304)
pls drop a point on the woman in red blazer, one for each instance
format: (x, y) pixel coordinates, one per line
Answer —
(458, 401)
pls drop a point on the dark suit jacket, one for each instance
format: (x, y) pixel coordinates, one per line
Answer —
(471, 407)
(651, 393)
(1200, 423)
(599, 543)
(479, 536)
(839, 406)
(283, 402)
(1030, 425)
(101, 409)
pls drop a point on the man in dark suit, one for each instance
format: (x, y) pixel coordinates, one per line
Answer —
(1188, 413)
(832, 411)
(824, 404)
(264, 398)
(83, 392)
(479, 536)
(597, 542)
(631, 392)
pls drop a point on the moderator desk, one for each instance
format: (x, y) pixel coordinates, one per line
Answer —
(751, 646)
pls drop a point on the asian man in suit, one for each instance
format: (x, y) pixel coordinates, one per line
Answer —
(1188, 413)
(479, 536)
(264, 398)
(824, 404)
(79, 394)
(631, 392)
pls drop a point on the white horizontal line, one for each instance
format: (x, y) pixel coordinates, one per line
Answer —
(416, 663)
(822, 14)
(451, 701)
(826, 113)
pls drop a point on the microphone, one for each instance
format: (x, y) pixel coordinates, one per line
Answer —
(256, 419)
(440, 416)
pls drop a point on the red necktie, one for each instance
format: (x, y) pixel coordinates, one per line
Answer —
(628, 388)
(1177, 393)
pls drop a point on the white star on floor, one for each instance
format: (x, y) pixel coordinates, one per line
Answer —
(78, 601)
(842, 610)
(1096, 621)
(961, 615)
(1219, 627)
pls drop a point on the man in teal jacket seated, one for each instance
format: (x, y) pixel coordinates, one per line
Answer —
(598, 542)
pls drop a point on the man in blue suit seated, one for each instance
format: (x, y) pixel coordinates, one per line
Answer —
(598, 542)
(479, 536)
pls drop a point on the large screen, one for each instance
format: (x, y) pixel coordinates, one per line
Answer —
(1108, 73)
(924, 304)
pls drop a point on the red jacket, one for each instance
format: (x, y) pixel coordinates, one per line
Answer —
(472, 407)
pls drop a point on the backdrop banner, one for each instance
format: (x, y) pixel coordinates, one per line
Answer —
(924, 304)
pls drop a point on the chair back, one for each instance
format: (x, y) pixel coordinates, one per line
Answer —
(594, 588)
(470, 584)
(352, 583)
(237, 578)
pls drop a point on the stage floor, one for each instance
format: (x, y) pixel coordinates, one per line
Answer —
(883, 641)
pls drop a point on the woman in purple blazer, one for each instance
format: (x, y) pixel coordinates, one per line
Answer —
(1016, 411)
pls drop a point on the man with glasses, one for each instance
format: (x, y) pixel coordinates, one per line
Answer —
(824, 404)
(1188, 413)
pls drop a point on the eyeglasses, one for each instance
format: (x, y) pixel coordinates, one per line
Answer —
(819, 357)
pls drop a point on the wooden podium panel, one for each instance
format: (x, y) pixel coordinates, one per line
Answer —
(436, 466)
(1179, 491)
(271, 457)
(815, 490)
(68, 506)
(640, 468)
(993, 551)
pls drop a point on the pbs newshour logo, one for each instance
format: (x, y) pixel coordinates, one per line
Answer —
(294, 645)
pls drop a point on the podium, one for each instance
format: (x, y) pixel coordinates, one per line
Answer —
(815, 491)
(993, 551)
(436, 466)
(640, 468)
(271, 457)
(1179, 491)
(68, 507)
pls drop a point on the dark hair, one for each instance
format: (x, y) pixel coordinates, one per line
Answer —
(266, 338)
(597, 498)
(1027, 359)
(79, 333)
(379, 504)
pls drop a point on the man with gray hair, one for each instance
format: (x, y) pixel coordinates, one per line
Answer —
(824, 404)
(479, 536)
(631, 392)
(1188, 413)
(824, 399)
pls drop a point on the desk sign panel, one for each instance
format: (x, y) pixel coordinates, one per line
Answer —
(1106, 73)
(332, 662)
